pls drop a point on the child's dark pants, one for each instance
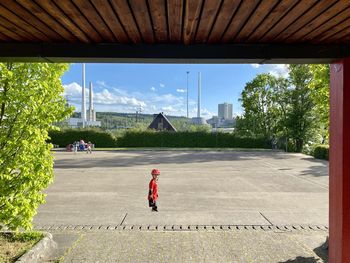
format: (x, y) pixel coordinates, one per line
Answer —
(153, 204)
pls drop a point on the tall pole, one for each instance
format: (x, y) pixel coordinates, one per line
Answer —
(199, 96)
(187, 92)
(91, 103)
(83, 109)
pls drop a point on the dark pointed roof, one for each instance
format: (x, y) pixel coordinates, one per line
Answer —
(161, 123)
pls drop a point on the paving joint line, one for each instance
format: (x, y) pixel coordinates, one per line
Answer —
(126, 214)
(266, 218)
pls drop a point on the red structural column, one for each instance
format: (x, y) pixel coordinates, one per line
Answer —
(339, 163)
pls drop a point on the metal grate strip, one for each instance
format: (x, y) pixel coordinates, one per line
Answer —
(182, 227)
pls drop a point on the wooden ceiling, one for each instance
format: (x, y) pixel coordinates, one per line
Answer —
(184, 22)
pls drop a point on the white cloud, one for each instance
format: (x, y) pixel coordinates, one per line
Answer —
(279, 70)
(181, 90)
(276, 70)
(120, 91)
(101, 83)
(161, 85)
(168, 108)
(119, 99)
(166, 99)
(153, 88)
(107, 97)
(72, 90)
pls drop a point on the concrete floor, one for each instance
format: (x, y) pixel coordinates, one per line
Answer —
(107, 192)
(202, 246)
(195, 188)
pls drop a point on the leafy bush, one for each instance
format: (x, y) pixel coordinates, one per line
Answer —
(188, 139)
(321, 152)
(30, 101)
(98, 138)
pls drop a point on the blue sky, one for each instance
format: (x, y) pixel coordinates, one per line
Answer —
(162, 87)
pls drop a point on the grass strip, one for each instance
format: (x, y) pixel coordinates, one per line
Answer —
(14, 245)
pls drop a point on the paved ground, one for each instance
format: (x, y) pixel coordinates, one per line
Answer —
(196, 188)
(201, 246)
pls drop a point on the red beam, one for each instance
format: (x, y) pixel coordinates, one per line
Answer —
(339, 165)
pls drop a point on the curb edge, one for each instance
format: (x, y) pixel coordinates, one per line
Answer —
(40, 250)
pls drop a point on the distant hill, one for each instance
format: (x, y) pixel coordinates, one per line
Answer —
(115, 120)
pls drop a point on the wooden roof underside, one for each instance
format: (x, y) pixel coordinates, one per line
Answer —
(180, 22)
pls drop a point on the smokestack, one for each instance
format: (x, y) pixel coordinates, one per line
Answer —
(187, 92)
(91, 103)
(83, 109)
(199, 96)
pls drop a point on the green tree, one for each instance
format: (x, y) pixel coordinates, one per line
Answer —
(296, 107)
(281, 97)
(30, 101)
(260, 116)
(301, 116)
(320, 95)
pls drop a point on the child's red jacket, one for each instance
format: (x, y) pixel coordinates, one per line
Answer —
(154, 187)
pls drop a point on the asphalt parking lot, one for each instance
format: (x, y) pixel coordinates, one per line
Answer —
(214, 206)
(195, 188)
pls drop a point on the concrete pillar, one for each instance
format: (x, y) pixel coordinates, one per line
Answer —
(339, 163)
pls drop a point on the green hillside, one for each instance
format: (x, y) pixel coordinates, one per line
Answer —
(115, 120)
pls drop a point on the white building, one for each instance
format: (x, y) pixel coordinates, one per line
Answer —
(217, 122)
(225, 117)
(199, 121)
(78, 123)
(225, 111)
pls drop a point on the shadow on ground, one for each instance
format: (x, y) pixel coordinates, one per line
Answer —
(156, 157)
(302, 260)
(175, 157)
(316, 170)
(320, 251)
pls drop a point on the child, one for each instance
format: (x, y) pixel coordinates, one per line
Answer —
(88, 149)
(153, 190)
(75, 147)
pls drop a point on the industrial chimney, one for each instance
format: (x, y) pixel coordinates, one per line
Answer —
(199, 96)
(199, 120)
(83, 108)
(92, 114)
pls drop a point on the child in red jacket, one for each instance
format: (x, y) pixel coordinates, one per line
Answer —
(153, 190)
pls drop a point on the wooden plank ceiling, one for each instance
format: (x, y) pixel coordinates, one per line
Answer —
(175, 21)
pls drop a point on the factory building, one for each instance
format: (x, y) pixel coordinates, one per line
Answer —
(88, 117)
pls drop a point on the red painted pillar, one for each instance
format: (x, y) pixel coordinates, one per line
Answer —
(339, 163)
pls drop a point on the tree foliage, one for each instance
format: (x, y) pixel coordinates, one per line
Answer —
(30, 101)
(257, 101)
(320, 94)
(265, 103)
(296, 107)
(301, 114)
